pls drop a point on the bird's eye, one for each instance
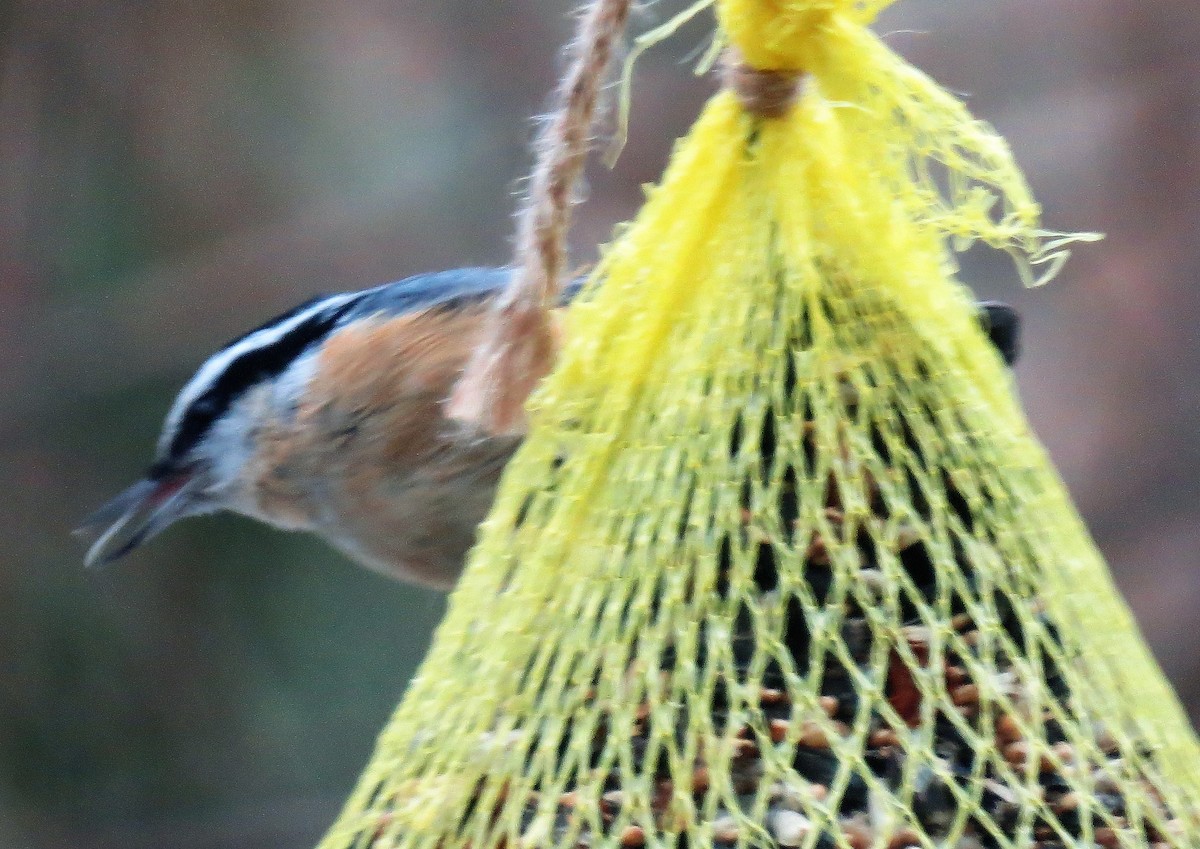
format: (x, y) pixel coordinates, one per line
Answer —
(205, 405)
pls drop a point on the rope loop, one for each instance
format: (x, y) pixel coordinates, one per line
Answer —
(519, 342)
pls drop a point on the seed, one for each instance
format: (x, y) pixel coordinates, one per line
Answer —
(956, 675)
(744, 748)
(817, 552)
(663, 792)
(1007, 730)
(902, 692)
(1106, 783)
(967, 694)
(1017, 753)
(1001, 790)
(858, 835)
(907, 535)
(873, 579)
(725, 830)
(813, 737)
(633, 835)
(788, 827)
(1106, 741)
(830, 705)
(1067, 802)
(771, 696)
(779, 730)
(786, 797)
(883, 737)
(1106, 837)
(918, 637)
(903, 839)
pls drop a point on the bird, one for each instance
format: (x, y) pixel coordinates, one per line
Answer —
(330, 418)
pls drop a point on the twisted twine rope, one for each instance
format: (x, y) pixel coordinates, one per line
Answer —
(519, 342)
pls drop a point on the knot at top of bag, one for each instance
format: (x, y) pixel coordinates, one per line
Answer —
(781, 35)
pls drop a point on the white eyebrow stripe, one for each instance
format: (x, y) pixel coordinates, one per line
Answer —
(216, 365)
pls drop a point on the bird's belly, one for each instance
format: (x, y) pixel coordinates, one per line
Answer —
(415, 525)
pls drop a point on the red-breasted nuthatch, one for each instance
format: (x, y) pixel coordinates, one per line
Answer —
(329, 418)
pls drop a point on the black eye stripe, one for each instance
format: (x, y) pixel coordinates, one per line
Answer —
(278, 320)
(249, 369)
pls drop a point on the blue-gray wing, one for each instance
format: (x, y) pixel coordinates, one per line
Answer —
(441, 289)
(438, 289)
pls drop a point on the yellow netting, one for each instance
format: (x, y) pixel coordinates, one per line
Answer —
(780, 562)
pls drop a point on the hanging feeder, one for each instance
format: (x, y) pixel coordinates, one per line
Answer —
(780, 562)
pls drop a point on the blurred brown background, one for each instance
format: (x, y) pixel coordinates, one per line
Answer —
(175, 172)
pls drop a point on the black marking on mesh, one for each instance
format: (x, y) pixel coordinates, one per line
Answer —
(1002, 324)
(250, 369)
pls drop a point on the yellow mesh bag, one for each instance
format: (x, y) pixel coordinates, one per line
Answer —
(780, 563)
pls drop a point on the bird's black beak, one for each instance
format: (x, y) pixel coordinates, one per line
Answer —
(139, 513)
